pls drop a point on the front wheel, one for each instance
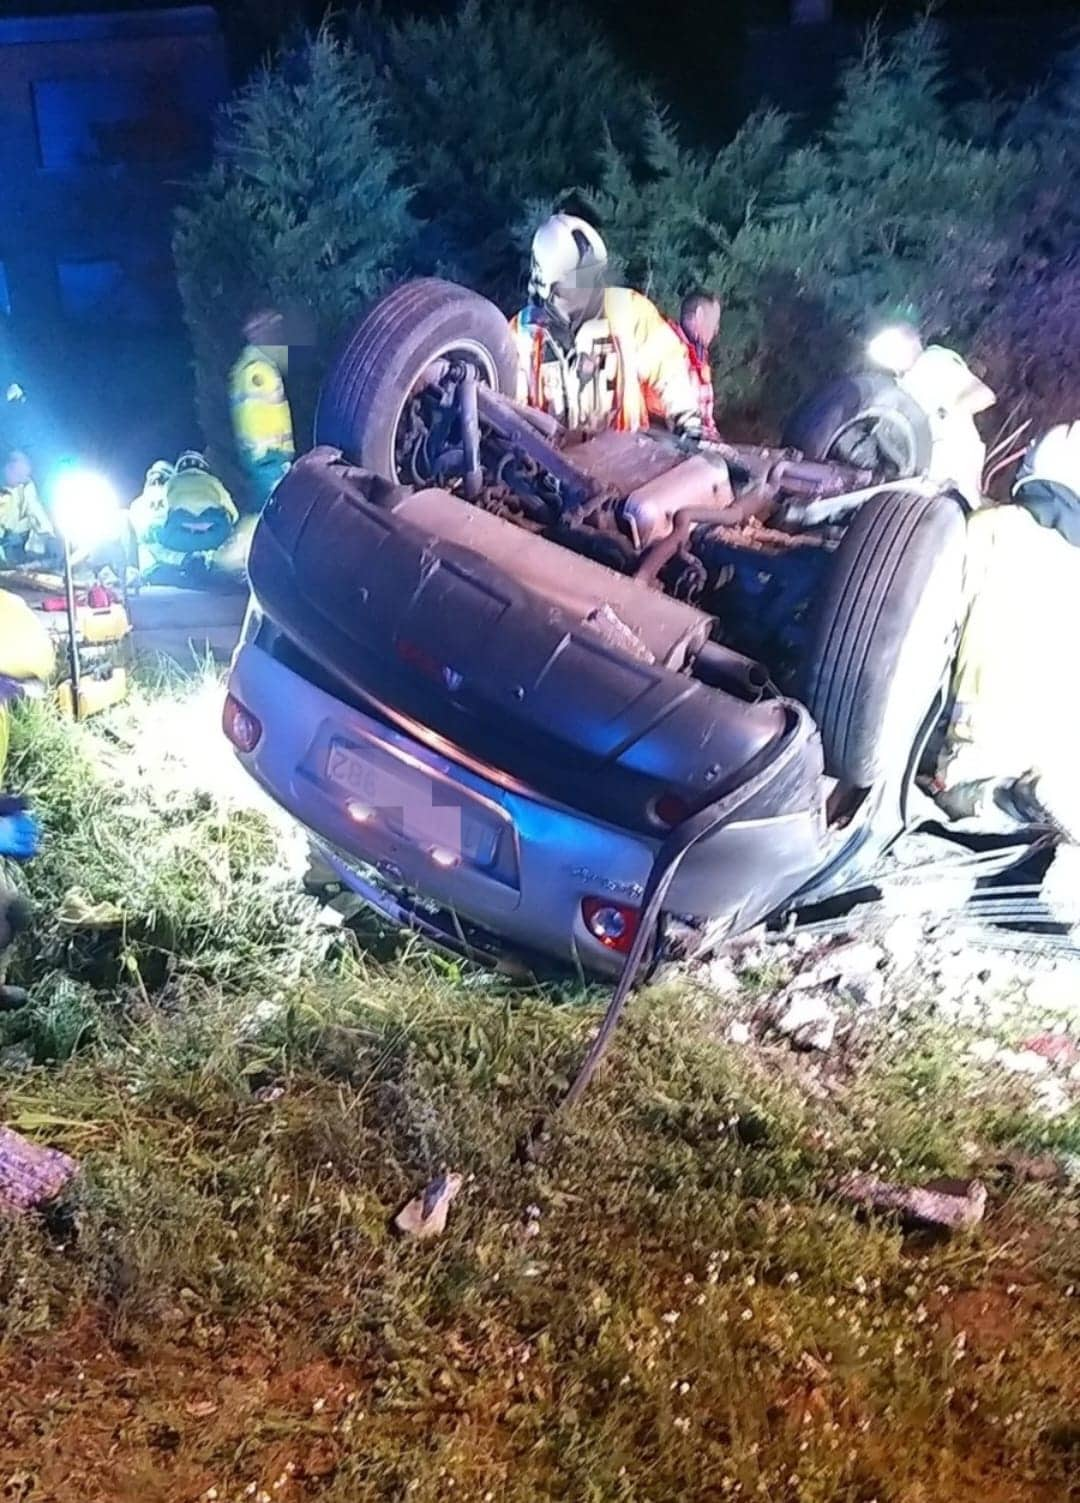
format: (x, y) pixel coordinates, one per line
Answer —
(866, 421)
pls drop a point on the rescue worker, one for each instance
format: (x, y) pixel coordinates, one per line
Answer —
(199, 521)
(697, 328)
(261, 415)
(948, 392)
(147, 512)
(595, 356)
(1010, 754)
(27, 534)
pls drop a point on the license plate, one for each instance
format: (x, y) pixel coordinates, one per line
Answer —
(412, 805)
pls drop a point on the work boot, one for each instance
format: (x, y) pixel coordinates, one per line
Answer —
(1050, 800)
(15, 916)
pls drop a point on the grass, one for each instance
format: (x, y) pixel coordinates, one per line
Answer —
(669, 1306)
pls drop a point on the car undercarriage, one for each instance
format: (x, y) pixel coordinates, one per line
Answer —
(666, 690)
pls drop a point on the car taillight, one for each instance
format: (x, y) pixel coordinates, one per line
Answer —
(243, 728)
(613, 924)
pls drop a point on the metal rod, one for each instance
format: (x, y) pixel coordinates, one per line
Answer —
(470, 435)
(73, 629)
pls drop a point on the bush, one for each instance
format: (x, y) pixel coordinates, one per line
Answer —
(493, 107)
(890, 208)
(963, 217)
(305, 204)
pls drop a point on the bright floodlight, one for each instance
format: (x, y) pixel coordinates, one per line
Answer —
(86, 508)
(895, 348)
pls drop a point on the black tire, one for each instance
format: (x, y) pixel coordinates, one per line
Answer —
(885, 633)
(388, 351)
(818, 428)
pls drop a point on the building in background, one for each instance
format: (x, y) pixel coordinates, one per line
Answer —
(103, 119)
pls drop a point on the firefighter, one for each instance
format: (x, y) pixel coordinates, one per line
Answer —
(147, 512)
(27, 535)
(697, 328)
(261, 415)
(595, 356)
(199, 520)
(1010, 753)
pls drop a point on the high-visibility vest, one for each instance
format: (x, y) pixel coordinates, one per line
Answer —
(649, 376)
(261, 416)
(1012, 710)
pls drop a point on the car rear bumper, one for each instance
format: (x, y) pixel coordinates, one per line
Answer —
(479, 865)
(522, 866)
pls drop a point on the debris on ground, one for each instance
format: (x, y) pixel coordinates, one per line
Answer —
(808, 1020)
(30, 1176)
(721, 975)
(923, 1206)
(853, 961)
(1052, 1098)
(738, 1032)
(77, 911)
(425, 1215)
(1058, 1048)
(1021, 1061)
(1031, 1168)
(1061, 884)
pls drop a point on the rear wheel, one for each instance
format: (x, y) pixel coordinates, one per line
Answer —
(866, 421)
(382, 403)
(885, 633)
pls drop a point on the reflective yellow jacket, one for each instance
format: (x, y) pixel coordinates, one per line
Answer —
(627, 366)
(21, 511)
(1015, 709)
(196, 491)
(262, 419)
(26, 653)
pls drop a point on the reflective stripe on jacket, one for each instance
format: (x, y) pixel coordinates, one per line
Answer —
(1014, 711)
(626, 366)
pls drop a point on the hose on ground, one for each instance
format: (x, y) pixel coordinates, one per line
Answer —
(678, 845)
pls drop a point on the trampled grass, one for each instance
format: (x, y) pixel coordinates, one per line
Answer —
(669, 1306)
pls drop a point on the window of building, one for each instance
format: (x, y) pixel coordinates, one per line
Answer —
(140, 120)
(104, 292)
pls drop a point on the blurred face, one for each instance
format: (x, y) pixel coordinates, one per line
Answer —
(17, 469)
(703, 325)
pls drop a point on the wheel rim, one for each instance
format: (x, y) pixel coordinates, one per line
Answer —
(878, 439)
(412, 461)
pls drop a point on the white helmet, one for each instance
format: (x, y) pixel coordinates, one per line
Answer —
(568, 252)
(1053, 459)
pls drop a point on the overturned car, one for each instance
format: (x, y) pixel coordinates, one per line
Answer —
(532, 691)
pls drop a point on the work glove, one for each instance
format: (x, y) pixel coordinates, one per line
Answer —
(20, 833)
(688, 425)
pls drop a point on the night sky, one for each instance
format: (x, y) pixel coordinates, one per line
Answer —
(692, 49)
